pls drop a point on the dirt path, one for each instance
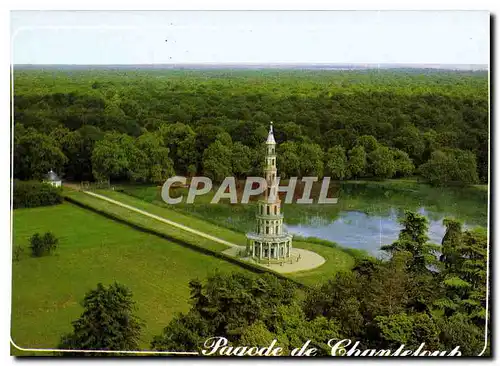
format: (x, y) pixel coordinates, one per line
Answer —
(159, 218)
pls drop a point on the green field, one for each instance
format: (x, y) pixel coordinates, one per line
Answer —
(46, 291)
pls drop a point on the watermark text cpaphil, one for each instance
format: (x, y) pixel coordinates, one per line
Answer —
(253, 187)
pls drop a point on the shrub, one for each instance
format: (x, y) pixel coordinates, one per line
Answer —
(34, 194)
(43, 245)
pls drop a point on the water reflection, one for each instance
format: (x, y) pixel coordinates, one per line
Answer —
(359, 230)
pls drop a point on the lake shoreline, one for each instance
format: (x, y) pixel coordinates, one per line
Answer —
(369, 200)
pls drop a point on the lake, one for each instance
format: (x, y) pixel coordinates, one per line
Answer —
(365, 217)
(355, 229)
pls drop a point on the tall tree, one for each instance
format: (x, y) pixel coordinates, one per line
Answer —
(152, 162)
(109, 159)
(466, 167)
(35, 154)
(404, 165)
(414, 240)
(357, 161)
(411, 141)
(439, 169)
(288, 159)
(108, 321)
(181, 142)
(311, 160)
(450, 166)
(336, 163)
(217, 161)
(242, 158)
(451, 242)
(83, 163)
(381, 162)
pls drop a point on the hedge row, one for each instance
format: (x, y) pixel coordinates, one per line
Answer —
(34, 194)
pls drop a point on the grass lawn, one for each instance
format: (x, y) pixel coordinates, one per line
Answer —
(142, 220)
(336, 261)
(46, 291)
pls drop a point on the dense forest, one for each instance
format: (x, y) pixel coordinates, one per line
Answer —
(143, 125)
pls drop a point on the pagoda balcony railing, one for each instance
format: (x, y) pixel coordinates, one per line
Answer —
(270, 238)
(271, 216)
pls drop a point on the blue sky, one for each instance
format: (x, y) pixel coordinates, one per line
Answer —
(133, 37)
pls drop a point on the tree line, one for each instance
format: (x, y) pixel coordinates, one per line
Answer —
(143, 126)
(423, 294)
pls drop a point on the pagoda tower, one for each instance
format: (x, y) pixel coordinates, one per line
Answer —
(270, 241)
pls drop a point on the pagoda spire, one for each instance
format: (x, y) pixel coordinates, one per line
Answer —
(270, 136)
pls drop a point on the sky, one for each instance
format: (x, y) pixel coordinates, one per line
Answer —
(173, 37)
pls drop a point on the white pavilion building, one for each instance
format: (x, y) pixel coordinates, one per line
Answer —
(53, 179)
(270, 241)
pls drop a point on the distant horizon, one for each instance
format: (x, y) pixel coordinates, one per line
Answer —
(273, 65)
